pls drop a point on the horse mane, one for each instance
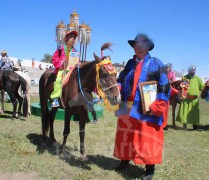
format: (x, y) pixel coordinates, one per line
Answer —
(105, 46)
(87, 65)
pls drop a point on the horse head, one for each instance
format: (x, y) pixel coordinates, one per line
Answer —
(107, 86)
(180, 87)
(183, 89)
(204, 92)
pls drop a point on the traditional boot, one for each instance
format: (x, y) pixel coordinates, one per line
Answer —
(149, 173)
(196, 128)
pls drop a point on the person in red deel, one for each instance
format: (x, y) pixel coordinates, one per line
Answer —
(139, 137)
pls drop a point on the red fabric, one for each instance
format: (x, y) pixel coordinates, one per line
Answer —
(136, 77)
(158, 107)
(141, 142)
(110, 68)
(165, 115)
(174, 91)
(119, 87)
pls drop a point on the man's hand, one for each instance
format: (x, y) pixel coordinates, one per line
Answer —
(151, 113)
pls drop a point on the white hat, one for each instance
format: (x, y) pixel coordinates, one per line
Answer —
(16, 67)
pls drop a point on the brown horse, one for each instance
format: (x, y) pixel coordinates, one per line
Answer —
(10, 82)
(204, 92)
(175, 99)
(77, 96)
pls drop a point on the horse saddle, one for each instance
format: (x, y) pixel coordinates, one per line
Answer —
(66, 76)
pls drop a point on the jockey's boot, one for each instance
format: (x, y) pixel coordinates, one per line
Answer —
(123, 165)
(55, 103)
(149, 173)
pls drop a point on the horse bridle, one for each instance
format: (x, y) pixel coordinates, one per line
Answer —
(107, 64)
(99, 89)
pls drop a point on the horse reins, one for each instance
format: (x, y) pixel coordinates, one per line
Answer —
(89, 103)
(99, 89)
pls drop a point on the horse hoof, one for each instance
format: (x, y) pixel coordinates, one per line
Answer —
(1, 111)
(13, 116)
(84, 157)
(53, 140)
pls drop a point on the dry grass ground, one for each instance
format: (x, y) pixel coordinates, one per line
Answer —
(22, 155)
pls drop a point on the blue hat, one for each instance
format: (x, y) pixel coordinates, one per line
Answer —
(144, 39)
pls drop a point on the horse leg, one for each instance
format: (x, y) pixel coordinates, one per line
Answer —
(44, 118)
(29, 110)
(51, 122)
(14, 102)
(66, 131)
(20, 100)
(82, 122)
(2, 102)
(173, 113)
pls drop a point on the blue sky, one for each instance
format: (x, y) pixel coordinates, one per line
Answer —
(179, 29)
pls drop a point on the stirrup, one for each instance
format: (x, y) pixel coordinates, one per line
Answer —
(55, 103)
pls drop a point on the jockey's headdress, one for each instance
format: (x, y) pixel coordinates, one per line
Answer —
(71, 32)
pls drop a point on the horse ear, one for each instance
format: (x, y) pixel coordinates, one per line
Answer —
(97, 59)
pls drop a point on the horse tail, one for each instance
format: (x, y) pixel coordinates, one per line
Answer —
(23, 85)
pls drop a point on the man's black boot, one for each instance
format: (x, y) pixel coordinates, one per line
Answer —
(196, 128)
(149, 173)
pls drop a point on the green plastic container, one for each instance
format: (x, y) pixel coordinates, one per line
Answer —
(60, 115)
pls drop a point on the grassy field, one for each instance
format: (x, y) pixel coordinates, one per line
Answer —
(22, 155)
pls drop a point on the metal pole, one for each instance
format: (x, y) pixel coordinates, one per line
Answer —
(85, 53)
(80, 51)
